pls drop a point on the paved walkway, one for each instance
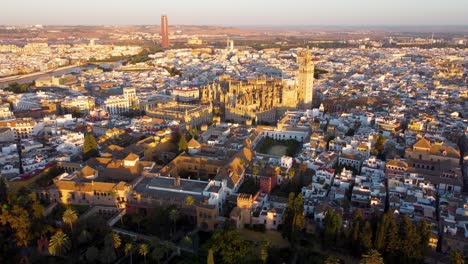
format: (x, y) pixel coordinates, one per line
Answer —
(50, 209)
(150, 239)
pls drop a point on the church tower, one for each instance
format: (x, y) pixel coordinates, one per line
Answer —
(305, 79)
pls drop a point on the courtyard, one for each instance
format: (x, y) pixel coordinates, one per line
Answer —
(275, 147)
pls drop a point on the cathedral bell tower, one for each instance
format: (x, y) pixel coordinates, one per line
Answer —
(305, 79)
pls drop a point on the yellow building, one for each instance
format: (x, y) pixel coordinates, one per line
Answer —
(241, 215)
(207, 216)
(438, 163)
(194, 115)
(425, 155)
(415, 125)
(244, 201)
(23, 128)
(198, 166)
(90, 193)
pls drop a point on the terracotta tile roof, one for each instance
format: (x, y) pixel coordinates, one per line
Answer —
(350, 156)
(101, 161)
(233, 171)
(15, 123)
(193, 144)
(115, 148)
(246, 154)
(444, 150)
(116, 170)
(423, 143)
(132, 157)
(363, 146)
(114, 164)
(88, 171)
(135, 148)
(397, 163)
(91, 186)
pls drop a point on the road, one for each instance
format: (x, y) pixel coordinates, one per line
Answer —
(35, 75)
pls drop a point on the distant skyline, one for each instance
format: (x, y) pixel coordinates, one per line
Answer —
(236, 13)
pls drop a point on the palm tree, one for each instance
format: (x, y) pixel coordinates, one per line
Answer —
(70, 217)
(332, 260)
(456, 257)
(373, 257)
(157, 252)
(113, 240)
(128, 250)
(167, 247)
(255, 170)
(162, 250)
(264, 250)
(187, 242)
(84, 236)
(143, 250)
(59, 244)
(174, 215)
(291, 173)
(111, 243)
(189, 201)
(138, 217)
(38, 210)
(117, 241)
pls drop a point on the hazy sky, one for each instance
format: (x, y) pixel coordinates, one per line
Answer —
(236, 12)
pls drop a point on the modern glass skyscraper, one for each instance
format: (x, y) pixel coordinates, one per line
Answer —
(164, 32)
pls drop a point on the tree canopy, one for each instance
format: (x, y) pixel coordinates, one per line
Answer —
(229, 246)
(332, 227)
(19, 88)
(379, 145)
(189, 200)
(293, 217)
(143, 250)
(373, 257)
(90, 147)
(59, 244)
(3, 190)
(69, 217)
(456, 257)
(182, 145)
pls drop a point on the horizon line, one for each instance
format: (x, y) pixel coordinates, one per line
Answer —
(248, 25)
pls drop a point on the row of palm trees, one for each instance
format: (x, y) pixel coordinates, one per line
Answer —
(60, 243)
